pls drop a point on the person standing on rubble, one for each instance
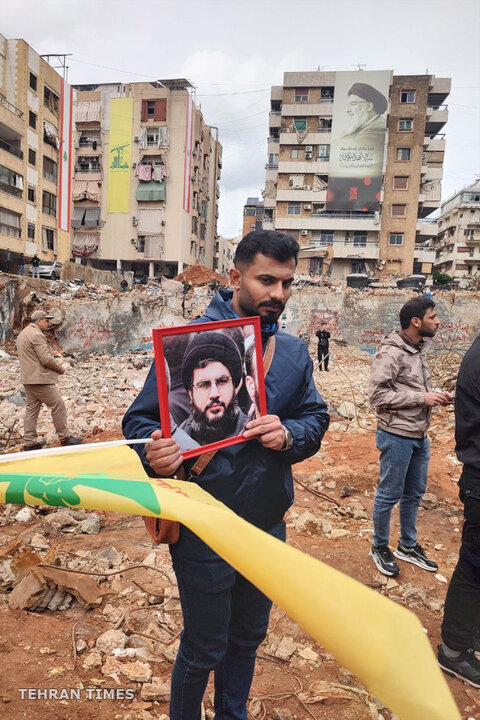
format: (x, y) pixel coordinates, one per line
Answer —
(225, 616)
(401, 393)
(323, 337)
(39, 373)
(36, 266)
(461, 619)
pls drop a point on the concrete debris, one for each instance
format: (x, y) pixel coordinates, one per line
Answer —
(279, 714)
(111, 640)
(307, 522)
(92, 660)
(91, 525)
(286, 648)
(346, 410)
(25, 515)
(157, 689)
(53, 588)
(135, 671)
(39, 542)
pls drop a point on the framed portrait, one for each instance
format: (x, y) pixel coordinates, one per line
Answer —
(210, 382)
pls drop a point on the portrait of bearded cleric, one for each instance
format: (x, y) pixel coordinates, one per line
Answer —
(210, 382)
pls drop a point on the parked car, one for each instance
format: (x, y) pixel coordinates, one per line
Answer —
(50, 270)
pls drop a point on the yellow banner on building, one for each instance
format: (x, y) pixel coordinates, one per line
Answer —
(379, 641)
(120, 155)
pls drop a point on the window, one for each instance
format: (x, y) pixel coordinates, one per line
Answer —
(469, 233)
(469, 269)
(301, 95)
(417, 267)
(155, 110)
(359, 239)
(294, 153)
(471, 252)
(326, 93)
(407, 96)
(141, 243)
(395, 239)
(399, 210)
(10, 223)
(51, 100)
(32, 119)
(358, 266)
(31, 194)
(194, 225)
(324, 124)
(326, 238)
(32, 157)
(33, 82)
(249, 211)
(11, 182)
(403, 154)
(273, 159)
(300, 124)
(400, 182)
(48, 238)
(49, 203)
(323, 152)
(293, 208)
(31, 231)
(49, 169)
(405, 124)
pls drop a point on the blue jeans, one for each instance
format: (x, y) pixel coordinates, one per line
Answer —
(403, 479)
(225, 619)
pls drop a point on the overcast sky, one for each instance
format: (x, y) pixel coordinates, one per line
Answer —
(234, 50)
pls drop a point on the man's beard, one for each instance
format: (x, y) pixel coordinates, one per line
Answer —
(274, 311)
(427, 333)
(206, 431)
(357, 120)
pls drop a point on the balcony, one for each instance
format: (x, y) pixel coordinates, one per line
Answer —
(4, 145)
(10, 107)
(321, 137)
(435, 143)
(330, 221)
(342, 250)
(319, 166)
(325, 107)
(305, 196)
(11, 189)
(436, 118)
(424, 254)
(427, 228)
(274, 119)
(271, 166)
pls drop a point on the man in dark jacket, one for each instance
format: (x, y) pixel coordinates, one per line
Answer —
(225, 616)
(461, 620)
(323, 337)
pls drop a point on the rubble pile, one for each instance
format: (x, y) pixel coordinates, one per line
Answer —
(200, 275)
(97, 390)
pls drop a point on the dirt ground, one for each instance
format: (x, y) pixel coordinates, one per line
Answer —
(56, 649)
(36, 649)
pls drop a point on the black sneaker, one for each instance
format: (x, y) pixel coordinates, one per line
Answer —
(36, 446)
(72, 440)
(415, 555)
(384, 560)
(466, 667)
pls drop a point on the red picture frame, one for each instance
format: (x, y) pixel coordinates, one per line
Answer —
(166, 347)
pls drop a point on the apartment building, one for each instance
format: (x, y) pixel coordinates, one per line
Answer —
(355, 162)
(224, 253)
(253, 215)
(34, 154)
(457, 245)
(145, 183)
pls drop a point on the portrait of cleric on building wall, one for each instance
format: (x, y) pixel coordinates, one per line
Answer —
(210, 382)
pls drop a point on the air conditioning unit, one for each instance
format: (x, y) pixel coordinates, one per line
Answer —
(285, 129)
(307, 187)
(307, 207)
(308, 156)
(376, 218)
(308, 148)
(303, 232)
(252, 227)
(134, 221)
(136, 138)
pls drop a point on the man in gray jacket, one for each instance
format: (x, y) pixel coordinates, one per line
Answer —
(39, 372)
(401, 393)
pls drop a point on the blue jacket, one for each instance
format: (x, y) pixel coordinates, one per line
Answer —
(255, 482)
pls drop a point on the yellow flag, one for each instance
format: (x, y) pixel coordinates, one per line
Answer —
(120, 155)
(380, 642)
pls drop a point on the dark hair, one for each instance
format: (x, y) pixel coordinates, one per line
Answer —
(416, 307)
(274, 244)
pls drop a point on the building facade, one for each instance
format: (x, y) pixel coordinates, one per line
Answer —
(32, 95)
(224, 254)
(457, 245)
(253, 215)
(355, 162)
(145, 184)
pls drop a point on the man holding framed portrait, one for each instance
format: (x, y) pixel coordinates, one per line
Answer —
(225, 616)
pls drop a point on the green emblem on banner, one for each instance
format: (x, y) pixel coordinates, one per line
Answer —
(61, 491)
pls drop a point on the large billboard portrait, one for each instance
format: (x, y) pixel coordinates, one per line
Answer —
(357, 147)
(210, 382)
